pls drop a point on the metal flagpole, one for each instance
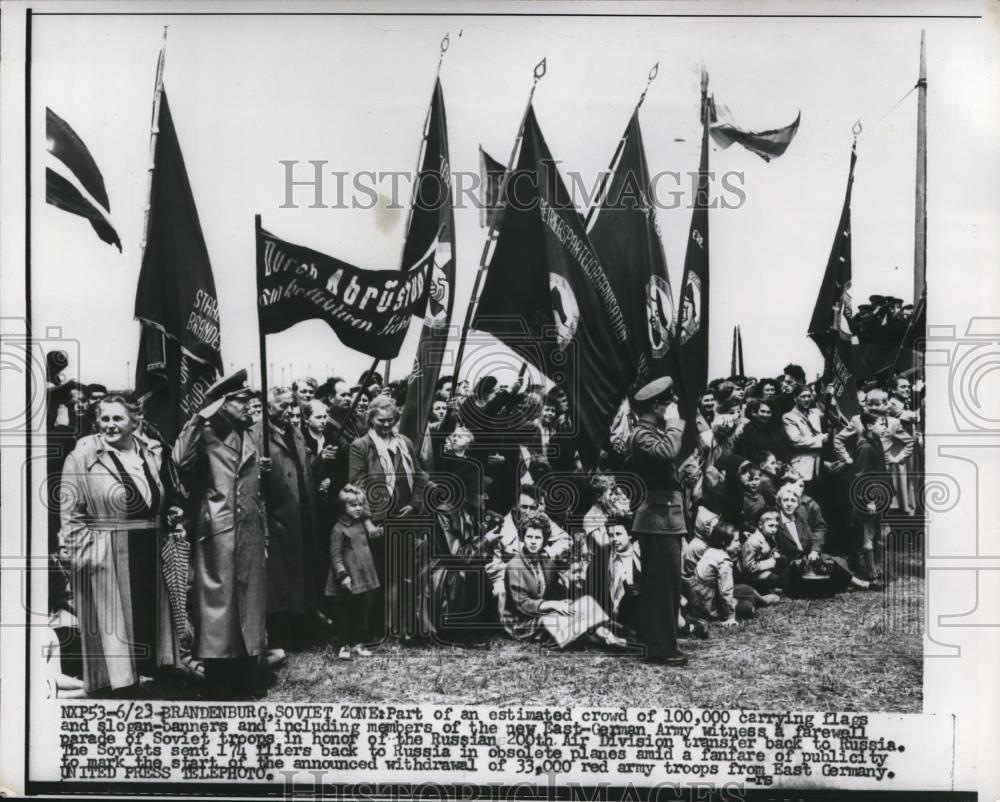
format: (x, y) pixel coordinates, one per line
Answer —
(599, 197)
(491, 236)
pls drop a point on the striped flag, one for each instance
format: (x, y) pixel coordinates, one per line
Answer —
(767, 144)
(73, 181)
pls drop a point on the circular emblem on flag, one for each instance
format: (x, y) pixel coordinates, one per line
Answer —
(437, 297)
(659, 315)
(690, 308)
(565, 311)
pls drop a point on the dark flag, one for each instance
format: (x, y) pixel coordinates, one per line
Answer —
(369, 310)
(66, 146)
(547, 297)
(828, 327)
(431, 229)
(626, 238)
(491, 174)
(766, 144)
(179, 347)
(692, 316)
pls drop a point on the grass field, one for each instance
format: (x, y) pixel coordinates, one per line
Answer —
(859, 651)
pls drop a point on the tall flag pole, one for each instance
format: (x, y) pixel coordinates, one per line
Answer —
(547, 297)
(175, 303)
(493, 233)
(828, 327)
(430, 227)
(623, 229)
(692, 319)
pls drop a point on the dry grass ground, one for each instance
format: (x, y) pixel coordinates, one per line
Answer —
(857, 651)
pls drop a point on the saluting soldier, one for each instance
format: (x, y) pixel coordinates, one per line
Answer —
(219, 463)
(659, 521)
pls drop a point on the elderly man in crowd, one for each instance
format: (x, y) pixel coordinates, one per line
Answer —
(293, 586)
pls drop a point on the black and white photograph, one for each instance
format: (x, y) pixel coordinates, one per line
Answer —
(595, 396)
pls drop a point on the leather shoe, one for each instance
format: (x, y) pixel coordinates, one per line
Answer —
(679, 659)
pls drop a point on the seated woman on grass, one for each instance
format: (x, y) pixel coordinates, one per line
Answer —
(537, 605)
(801, 546)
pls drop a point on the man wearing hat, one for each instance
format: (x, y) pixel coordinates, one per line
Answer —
(220, 468)
(659, 521)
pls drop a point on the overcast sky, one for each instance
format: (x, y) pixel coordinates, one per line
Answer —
(248, 92)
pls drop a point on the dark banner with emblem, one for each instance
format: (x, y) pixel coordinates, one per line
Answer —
(369, 310)
(626, 237)
(547, 297)
(431, 230)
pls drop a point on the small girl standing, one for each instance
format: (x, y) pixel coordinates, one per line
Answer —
(352, 580)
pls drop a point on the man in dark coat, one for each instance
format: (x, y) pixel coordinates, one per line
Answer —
(659, 521)
(219, 465)
(293, 579)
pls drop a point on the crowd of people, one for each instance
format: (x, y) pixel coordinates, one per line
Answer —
(307, 516)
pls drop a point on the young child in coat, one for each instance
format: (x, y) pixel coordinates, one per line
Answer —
(352, 580)
(762, 564)
(712, 585)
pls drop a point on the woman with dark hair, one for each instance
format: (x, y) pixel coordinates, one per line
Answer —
(114, 511)
(536, 601)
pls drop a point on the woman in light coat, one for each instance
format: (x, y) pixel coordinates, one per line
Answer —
(113, 512)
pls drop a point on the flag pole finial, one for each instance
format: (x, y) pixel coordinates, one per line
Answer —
(649, 80)
(540, 70)
(445, 44)
(856, 129)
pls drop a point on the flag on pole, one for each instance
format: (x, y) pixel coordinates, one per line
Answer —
(369, 310)
(73, 181)
(767, 144)
(828, 327)
(547, 297)
(692, 318)
(180, 342)
(627, 240)
(432, 228)
(491, 174)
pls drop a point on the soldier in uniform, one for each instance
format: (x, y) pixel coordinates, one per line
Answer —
(219, 464)
(659, 521)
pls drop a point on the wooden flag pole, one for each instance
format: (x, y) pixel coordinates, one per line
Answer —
(262, 338)
(491, 236)
(599, 196)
